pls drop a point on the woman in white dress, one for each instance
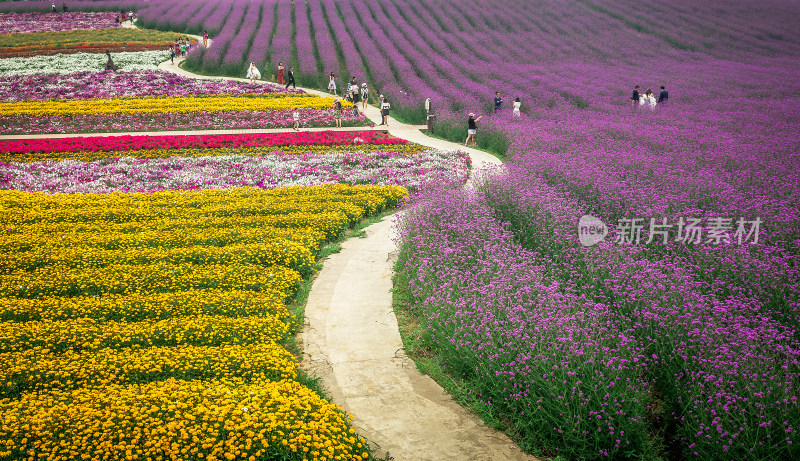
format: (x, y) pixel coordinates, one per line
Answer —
(648, 100)
(517, 105)
(651, 99)
(252, 73)
(332, 84)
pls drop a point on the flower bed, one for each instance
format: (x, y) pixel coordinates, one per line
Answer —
(150, 342)
(94, 123)
(227, 415)
(146, 146)
(12, 23)
(180, 104)
(102, 84)
(259, 169)
(83, 40)
(81, 62)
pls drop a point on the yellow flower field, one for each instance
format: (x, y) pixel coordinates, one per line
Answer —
(159, 105)
(36, 369)
(154, 306)
(90, 334)
(154, 325)
(174, 419)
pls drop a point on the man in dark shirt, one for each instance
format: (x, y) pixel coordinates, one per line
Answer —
(290, 78)
(663, 96)
(635, 96)
(498, 101)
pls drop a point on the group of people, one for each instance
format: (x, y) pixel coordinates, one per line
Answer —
(284, 77)
(498, 105)
(354, 93)
(123, 16)
(64, 7)
(472, 122)
(648, 98)
(179, 47)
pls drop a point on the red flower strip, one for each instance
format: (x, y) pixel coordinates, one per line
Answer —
(114, 143)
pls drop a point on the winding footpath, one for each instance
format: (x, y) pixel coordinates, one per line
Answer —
(352, 342)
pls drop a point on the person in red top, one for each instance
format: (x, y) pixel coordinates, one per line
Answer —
(281, 78)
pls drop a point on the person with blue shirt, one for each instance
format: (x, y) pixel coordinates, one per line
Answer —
(498, 101)
(663, 96)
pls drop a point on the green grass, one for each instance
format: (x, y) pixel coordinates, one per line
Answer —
(493, 152)
(38, 40)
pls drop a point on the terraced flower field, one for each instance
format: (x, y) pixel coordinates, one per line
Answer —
(168, 312)
(146, 101)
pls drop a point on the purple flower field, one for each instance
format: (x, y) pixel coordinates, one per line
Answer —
(12, 23)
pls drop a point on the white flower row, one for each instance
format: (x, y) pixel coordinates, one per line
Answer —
(81, 62)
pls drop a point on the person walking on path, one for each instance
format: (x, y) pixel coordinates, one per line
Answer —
(364, 96)
(355, 96)
(332, 84)
(290, 78)
(635, 96)
(64, 7)
(385, 106)
(337, 112)
(183, 48)
(54, 7)
(472, 129)
(252, 73)
(663, 96)
(498, 101)
(172, 54)
(517, 105)
(205, 39)
(281, 78)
